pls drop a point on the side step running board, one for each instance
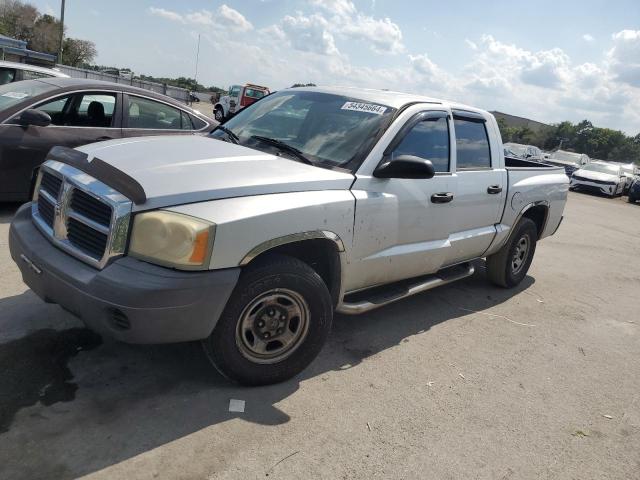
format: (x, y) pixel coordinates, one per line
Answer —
(380, 296)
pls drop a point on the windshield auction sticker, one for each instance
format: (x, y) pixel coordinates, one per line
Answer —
(18, 95)
(364, 107)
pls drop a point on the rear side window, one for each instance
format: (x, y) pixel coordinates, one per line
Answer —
(198, 123)
(429, 139)
(7, 75)
(145, 113)
(472, 145)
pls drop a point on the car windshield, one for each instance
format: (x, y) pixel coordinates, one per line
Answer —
(519, 150)
(602, 168)
(329, 130)
(566, 156)
(13, 93)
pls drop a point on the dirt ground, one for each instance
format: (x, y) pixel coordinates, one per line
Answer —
(466, 381)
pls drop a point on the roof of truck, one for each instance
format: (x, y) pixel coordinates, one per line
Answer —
(389, 97)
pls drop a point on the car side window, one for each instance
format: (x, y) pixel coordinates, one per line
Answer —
(198, 123)
(56, 109)
(92, 110)
(7, 75)
(145, 113)
(428, 139)
(472, 144)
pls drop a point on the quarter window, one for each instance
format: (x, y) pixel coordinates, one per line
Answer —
(472, 144)
(429, 139)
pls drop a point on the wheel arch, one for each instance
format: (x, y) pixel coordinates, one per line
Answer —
(322, 250)
(538, 212)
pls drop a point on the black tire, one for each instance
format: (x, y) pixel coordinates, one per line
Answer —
(631, 199)
(275, 273)
(500, 265)
(218, 114)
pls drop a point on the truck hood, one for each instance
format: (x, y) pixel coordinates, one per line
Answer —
(174, 170)
(601, 177)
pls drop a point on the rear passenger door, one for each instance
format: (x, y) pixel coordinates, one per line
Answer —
(145, 116)
(481, 187)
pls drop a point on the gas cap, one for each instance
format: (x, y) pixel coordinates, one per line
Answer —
(516, 201)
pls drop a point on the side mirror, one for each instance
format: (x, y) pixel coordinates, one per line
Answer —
(34, 117)
(405, 166)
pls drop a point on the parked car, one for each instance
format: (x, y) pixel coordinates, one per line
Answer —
(309, 201)
(240, 96)
(599, 177)
(630, 172)
(16, 72)
(634, 191)
(529, 152)
(569, 160)
(35, 115)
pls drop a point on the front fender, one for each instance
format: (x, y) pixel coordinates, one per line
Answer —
(245, 226)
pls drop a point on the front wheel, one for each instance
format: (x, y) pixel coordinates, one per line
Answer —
(218, 115)
(274, 325)
(509, 265)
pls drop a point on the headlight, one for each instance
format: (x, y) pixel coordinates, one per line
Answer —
(172, 239)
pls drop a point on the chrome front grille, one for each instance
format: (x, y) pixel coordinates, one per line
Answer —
(80, 214)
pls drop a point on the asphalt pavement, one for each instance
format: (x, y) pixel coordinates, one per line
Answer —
(465, 381)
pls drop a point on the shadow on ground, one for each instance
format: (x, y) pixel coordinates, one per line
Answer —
(96, 404)
(7, 210)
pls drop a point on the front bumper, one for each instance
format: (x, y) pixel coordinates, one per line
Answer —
(130, 300)
(605, 188)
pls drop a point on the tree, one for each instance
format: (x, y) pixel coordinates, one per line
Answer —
(296, 85)
(45, 34)
(77, 52)
(17, 19)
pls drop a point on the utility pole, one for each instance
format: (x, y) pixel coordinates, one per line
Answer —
(197, 58)
(61, 32)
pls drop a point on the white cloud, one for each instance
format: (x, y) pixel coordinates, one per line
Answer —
(624, 57)
(588, 38)
(470, 44)
(224, 18)
(309, 34)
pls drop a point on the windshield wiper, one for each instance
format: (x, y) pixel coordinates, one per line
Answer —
(285, 147)
(234, 138)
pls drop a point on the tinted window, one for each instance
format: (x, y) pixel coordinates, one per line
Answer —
(472, 144)
(55, 109)
(145, 113)
(252, 93)
(197, 123)
(81, 110)
(7, 75)
(235, 91)
(428, 139)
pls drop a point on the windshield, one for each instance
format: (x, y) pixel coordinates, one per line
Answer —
(602, 168)
(515, 149)
(13, 93)
(567, 156)
(330, 130)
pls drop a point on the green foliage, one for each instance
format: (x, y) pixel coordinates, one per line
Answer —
(582, 137)
(296, 85)
(23, 21)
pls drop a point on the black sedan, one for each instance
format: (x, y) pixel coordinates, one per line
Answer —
(36, 115)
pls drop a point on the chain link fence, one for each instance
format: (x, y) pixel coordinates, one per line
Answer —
(176, 93)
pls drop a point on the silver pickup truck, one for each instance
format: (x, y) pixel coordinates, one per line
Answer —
(310, 201)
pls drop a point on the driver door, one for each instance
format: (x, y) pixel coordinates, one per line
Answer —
(402, 226)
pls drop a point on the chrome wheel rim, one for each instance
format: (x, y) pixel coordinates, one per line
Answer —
(520, 254)
(272, 326)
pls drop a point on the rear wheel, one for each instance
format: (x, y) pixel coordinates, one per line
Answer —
(509, 265)
(274, 325)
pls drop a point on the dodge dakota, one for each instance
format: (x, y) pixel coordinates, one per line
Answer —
(310, 201)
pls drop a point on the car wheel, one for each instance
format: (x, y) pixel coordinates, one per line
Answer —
(219, 115)
(274, 325)
(631, 199)
(509, 265)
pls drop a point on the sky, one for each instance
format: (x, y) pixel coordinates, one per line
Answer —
(546, 60)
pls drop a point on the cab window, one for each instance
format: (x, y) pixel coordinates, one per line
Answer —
(429, 139)
(7, 75)
(472, 144)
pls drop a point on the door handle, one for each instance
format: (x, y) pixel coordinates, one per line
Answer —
(493, 189)
(443, 197)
